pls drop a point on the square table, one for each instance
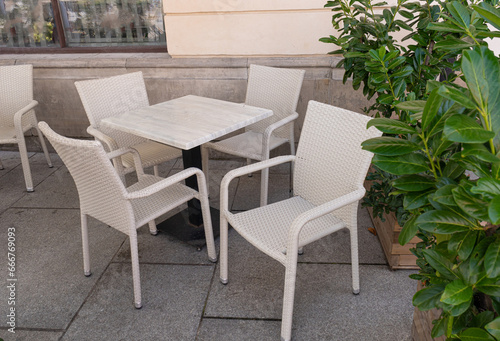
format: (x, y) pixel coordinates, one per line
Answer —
(186, 123)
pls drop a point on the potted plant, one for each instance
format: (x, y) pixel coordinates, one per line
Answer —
(400, 75)
(430, 143)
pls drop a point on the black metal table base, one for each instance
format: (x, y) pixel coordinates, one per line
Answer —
(178, 226)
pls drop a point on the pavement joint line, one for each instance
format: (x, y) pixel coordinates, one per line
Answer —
(206, 300)
(91, 291)
(152, 263)
(242, 318)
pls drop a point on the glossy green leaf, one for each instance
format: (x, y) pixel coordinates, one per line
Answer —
(409, 230)
(477, 257)
(389, 146)
(452, 43)
(453, 170)
(492, 259)
(414, 200)
(431, 108)
(399, 165)
(414, 182)
(494, 210)
(460, 13)
(355, 55)
(444, 195)
(487, 187)
(445, 27)
(481, 70)
(440, 263)
(488, 12)
(439, 327)
(412, 106)
(475, 334)
(457, 310)
(390, 126)
(428, 298)
(494, 328)
(442, 222)
(404, 72)
(480, 151)
(396, 62)
(457, 292)
(471, 205)
(461, 128)
(457, 96)
(489, 286)
(462, 244)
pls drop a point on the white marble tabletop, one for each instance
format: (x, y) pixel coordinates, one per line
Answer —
(188, 121)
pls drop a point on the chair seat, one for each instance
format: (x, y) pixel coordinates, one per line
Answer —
(150, 207)
(247, 145)
(9, 133)
(267, 227)
(152, 153)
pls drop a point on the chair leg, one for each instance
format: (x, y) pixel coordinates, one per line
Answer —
(264, 183)
(353, 232)
(134, 254)
(1, 166)
(207, 221)
(44, 146)
(292, 164)
(85, 245)
(152, 228)
(204, 165)
(223, 249)
(25, 164)
(155, 170)
(289, 294)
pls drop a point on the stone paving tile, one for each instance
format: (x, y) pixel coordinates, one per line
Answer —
(173, 301)
(30, 335)
(50, 283)
(12, 185)
(10, 160)
(163, 249)
(326, 309)
(58, 190)
(241, 330)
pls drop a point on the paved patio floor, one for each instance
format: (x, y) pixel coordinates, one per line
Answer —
(182, 296)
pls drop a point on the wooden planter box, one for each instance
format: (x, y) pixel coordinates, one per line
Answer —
(398, 257)
(422, 323)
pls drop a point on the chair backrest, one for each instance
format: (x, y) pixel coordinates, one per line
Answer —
(16, 91)
(277, 89)
(330, 161)
(99, 187)
(112, 96)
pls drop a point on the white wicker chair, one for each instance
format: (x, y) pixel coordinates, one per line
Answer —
(271, 88)
(113, 96)
(104, 197)
(17, 115)
(330, 167)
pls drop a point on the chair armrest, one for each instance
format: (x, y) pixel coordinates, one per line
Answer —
(18, 116)
(246, 170)
(266, 138)
(280, 123)
(115, 154)
(319, 211)
(105, 139)
(171, 180)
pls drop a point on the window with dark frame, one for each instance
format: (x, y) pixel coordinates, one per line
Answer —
(81, 25)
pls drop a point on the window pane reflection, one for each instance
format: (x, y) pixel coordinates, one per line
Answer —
(112, 22)
(27, 23)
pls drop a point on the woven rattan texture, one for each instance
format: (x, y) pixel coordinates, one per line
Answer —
(16, 91)
(277, 89)
(112, 96)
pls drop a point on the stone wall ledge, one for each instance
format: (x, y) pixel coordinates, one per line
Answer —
(162, 60)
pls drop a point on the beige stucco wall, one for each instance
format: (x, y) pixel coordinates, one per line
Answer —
(246, 28)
